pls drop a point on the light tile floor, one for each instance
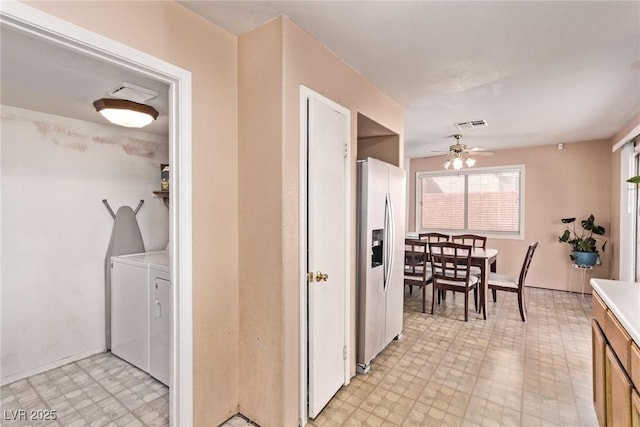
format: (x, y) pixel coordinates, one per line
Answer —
(443, 372)
(101, 390)
(238, 421)
(494, 372)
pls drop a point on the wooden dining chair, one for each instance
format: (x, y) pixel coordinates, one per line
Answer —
(434, 237)
(502, 282)
(450, 268)
(414, 254)
(419, 272)
(475, 241)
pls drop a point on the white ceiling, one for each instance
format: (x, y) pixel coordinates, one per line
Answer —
(538, 72)
(40, 76)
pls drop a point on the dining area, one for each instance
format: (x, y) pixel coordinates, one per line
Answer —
(464, 264)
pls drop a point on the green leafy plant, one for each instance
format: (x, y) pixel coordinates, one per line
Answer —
(634, 179)
(585, 241)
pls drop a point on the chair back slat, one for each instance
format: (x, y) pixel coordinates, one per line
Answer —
(433, 237)
(526, 264)
(450, 261)
(471, 239)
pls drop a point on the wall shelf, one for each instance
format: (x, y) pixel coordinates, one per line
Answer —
(164, 195)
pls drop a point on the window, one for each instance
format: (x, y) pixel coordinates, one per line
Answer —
(486, 201)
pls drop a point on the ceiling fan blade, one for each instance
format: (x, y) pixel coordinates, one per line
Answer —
(481, 153)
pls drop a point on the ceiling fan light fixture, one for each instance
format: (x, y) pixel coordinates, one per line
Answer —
(457, 163)
(126, 113)
(458, 155)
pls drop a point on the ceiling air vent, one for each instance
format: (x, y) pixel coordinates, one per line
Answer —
(471, 124)
(133, 92)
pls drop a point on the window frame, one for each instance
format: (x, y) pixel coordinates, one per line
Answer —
(472, 171)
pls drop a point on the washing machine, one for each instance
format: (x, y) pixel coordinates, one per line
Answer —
(141, 311)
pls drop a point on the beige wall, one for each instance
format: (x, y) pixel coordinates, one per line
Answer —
(269, 324)
(309, 63)
(180, 37)
(261, 193)
(573, 182)
(385, 148)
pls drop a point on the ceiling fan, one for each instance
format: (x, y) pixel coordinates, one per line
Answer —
(459, 154)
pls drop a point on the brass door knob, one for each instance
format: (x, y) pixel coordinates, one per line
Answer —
(318, 277)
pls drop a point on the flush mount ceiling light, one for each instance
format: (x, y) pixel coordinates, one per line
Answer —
(126, 113)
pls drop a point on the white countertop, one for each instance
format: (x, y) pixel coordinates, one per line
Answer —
(623, 299)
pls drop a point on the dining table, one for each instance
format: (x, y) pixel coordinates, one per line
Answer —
(486, 260)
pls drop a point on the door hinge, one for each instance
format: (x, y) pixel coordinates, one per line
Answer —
(345, 150)
(344, 353)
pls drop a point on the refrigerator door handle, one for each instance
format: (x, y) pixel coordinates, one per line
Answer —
(384, 247)
(392, 237)
(387, 242)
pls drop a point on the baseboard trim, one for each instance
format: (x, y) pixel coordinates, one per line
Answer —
(51, 365)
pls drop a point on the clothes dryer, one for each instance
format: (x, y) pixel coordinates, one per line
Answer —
(141, 311)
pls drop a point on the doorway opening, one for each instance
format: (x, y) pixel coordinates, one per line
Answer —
(28, 21)
(377, 141)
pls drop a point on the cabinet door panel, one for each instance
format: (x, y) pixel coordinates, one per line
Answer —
(618, 392)
(635, 365)
(635, 409)
(598, 352)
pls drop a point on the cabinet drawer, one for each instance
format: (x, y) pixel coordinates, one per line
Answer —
(618, 338)
(599, 310)
(635, 365)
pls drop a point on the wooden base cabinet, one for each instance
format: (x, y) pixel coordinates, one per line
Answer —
(616, 369)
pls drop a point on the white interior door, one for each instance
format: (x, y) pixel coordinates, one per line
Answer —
(327, 254)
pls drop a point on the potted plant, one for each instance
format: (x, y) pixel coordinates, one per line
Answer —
(583, 245)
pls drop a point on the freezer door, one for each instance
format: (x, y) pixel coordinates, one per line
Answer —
(372, 187)
(395, 285)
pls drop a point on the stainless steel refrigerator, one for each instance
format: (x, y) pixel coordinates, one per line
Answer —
(380, 258)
